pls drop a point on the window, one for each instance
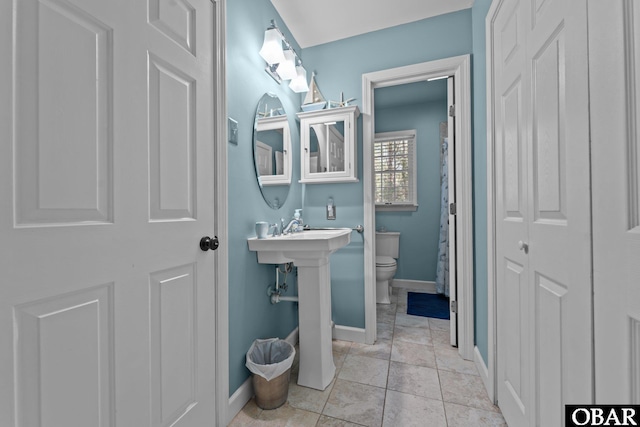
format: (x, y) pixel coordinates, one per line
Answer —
(395, 170)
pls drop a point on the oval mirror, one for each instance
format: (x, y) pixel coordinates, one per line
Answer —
(272, 150)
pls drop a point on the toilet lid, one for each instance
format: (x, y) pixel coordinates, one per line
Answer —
(385, 261)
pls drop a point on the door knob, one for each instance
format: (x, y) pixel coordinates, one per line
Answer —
(207, 243)
(523, 246)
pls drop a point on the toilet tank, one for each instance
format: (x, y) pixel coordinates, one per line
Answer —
(388, 243)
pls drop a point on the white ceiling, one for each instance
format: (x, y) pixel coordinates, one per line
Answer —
(314, 22)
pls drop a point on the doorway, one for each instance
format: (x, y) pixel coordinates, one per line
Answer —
(459, 69)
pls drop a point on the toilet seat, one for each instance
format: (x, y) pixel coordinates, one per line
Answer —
(385, 261)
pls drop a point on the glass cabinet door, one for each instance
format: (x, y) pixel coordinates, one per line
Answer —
(272, 151)
(328, 139)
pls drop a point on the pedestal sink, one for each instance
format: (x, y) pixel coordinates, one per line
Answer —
(309, 251)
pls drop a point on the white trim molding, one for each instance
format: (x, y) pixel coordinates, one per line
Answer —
(491, 362)
(221, 227)
(459, 67)
(483, 370)
(242, 395)
(348, 333)
(425, 286)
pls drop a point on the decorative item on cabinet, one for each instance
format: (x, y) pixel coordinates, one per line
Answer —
(314, 100)
(328, 145)
(342, 103)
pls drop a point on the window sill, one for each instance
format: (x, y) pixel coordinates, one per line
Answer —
(397, 208)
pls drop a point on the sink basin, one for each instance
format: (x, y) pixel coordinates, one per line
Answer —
(305, 244)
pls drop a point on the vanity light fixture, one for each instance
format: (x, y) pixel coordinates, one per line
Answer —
(283, 64)
(287, 68)
(272, 46)
(299, 84)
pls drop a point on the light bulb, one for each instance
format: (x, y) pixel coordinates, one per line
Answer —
(299, 84)
(287, 69)
(272, 47)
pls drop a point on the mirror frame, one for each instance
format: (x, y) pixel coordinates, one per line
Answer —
(270, 115)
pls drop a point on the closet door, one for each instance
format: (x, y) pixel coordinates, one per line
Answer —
(614, 72)
(543, 210)
(511, 98)
(559, 207)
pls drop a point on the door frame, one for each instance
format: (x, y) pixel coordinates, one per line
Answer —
(459, 67)
(221, 227)
(491, 379)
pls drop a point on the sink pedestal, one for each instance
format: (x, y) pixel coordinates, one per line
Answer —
(309, 251)
(314, 317)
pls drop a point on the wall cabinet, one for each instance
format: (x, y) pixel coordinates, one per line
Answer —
(328, 145)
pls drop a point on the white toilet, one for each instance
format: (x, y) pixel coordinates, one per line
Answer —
(387, 249)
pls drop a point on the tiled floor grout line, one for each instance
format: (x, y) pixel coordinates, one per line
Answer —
(386, 387)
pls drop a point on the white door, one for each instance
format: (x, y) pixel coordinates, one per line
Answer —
(510, 102)
(614, 69)
(451, 186)
(559, 206)
(107, 313)
(543, 241)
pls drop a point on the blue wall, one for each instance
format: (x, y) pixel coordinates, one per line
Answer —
(251, 314)
(419, 230)
(339, 66)
(479, 117)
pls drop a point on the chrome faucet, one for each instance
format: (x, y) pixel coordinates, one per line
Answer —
(276, 231)
(287, 229)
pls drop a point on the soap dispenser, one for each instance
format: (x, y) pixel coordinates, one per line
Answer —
(297, 226)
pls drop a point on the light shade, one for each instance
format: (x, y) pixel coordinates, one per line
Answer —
(287, 68)
(299, 84)
(272, 47)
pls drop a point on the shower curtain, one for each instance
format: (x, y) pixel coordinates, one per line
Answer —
(442, 270)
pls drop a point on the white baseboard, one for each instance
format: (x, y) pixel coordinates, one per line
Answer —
(292, 338)
(348, 333)
(416, 285)
(484, 373)
(244, 393)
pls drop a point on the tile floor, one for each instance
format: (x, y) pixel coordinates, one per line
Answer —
(410, 377)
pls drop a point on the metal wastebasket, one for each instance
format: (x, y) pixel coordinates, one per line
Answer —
(270, 362)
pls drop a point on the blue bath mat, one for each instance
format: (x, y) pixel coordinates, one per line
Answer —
(428, 305)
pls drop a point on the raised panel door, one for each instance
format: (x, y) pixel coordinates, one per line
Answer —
(614, 73)
(559, 203)
(107, 308)
(543, 210)
(515, 379)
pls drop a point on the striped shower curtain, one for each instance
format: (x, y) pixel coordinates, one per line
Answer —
(442, 270)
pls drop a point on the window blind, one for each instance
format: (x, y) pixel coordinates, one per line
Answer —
(394, 165)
